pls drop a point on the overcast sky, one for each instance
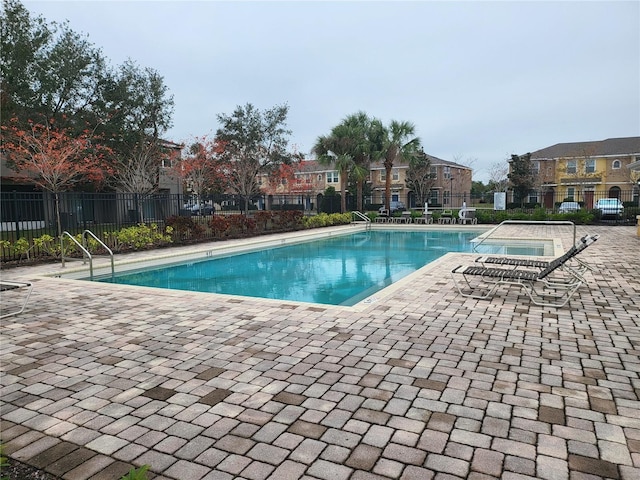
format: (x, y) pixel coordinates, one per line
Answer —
(480, 80)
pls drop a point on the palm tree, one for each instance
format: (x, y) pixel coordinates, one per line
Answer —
(335, 149)
(365, 145)
(398, 146)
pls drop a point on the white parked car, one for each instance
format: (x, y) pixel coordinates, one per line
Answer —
(609, 206)
(568, 207)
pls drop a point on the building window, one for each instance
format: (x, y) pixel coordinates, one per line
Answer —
(433, 197)
(571, 166)
(535, 167)
(446, 173)
(571, 191)
(590, 166)
(446, 197)
(396, 175)
(616, 164)
(332, 177)
(383, 175)
(434, 172)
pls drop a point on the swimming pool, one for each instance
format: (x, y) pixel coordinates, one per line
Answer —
(338, 270)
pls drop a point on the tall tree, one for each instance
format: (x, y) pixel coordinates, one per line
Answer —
(521, 176)
(351, 146)
(48, 70)
(336, 149)
(367, 136)
(138, 108)
(419, 178)
(22, 39)
(252, 142)
(399, 145)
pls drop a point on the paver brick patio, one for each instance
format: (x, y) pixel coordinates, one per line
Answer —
(420, 383)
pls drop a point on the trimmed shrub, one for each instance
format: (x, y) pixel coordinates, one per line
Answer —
(263, 219)
(219, 226)
(185, 228)
(287, 220)
(240, 225)
(139, 237)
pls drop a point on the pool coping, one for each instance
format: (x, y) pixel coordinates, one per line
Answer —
(239, 246)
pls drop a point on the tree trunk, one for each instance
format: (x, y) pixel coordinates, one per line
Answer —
(387, 186)
(343, 191)
(56, 197)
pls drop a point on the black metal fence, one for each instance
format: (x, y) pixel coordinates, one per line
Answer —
(27, 214)
(32, 215)
(549, 200)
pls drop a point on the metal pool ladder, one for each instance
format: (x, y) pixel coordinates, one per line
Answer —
(361, 218)
(84, 247)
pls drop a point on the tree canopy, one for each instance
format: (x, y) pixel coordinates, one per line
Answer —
(521, 176)
(56, 78)
(419, 178)
(251, 142)
(399, 145)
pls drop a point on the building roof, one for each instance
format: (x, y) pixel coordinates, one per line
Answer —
(435, 161)
(313, 166)
(608, 147)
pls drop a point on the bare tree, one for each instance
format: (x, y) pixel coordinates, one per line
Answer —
(498, 176)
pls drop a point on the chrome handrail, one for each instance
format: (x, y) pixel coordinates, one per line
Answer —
(85, 252)
(524, 222)
(363, 218)
(84, 247)
(102, 244)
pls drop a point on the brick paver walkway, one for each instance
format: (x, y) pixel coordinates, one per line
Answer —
(423, 384)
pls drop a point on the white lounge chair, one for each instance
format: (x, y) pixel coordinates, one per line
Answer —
(8, 285)
(541, 286)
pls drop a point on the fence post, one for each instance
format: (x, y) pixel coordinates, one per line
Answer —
(15, 214)
(83, 210)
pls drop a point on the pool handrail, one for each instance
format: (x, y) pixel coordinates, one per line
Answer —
(89, 233)
(85, 250)
(361, 218)
(482, 238)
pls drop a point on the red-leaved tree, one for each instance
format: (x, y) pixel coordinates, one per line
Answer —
(199, 168)
(53, 159)
(281, 180)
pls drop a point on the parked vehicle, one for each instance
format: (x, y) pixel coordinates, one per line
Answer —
(394, 205)
(202, 209)
(568, 207)
(609, 206)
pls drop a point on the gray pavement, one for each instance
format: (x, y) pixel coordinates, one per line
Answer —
(420, 384)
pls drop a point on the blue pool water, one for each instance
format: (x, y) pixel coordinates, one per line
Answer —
(340, 270)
